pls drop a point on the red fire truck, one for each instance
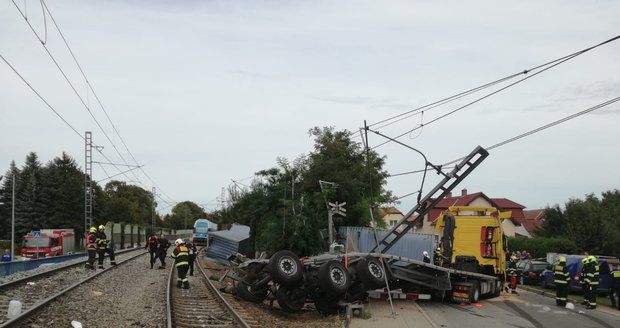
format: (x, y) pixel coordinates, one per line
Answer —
(48, 242)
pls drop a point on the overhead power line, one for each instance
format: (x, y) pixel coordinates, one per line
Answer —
(543, 68)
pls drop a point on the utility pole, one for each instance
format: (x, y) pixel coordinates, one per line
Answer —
(13, 221)
(153, 212)
(88, 175)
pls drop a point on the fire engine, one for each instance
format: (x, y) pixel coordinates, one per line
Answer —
(52, 242)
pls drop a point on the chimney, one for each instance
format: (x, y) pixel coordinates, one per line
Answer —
(463, 192)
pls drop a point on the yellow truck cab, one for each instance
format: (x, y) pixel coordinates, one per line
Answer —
(472, 240)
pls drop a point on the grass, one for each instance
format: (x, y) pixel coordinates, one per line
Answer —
(600, 299)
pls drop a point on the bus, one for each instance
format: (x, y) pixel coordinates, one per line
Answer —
(201, 231)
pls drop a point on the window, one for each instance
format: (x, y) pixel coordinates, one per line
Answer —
(393, 223)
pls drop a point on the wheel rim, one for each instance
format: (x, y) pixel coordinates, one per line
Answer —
(375, 270)
(338, 276)
(288, 266)
(476, 295)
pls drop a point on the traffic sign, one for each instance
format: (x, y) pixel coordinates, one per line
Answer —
(36, 234)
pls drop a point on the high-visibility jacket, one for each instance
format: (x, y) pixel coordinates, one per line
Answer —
(592, 275)
(180, 255)
(91, 241)
(512, 268)
(102, 240)
(561, 274)
(616, 278)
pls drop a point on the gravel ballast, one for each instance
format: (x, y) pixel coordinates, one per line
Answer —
(131, 295)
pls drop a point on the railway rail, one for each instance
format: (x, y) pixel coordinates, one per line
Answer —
(38, 290)
(200, 306)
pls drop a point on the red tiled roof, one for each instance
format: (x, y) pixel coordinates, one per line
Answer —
(532, 225)
(505, 203)
(534, 214)
(383, 211)
(459, 200)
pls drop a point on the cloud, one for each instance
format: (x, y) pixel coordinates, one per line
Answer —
(371, 102)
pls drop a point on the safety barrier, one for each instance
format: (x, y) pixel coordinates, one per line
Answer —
(8, 268)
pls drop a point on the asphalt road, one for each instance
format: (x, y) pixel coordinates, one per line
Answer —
(525, 310)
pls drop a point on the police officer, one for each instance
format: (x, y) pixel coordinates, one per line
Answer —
(91, 247)
(512, 272)
(561, 279)
(103, 247)
(614, 293)
(192, 254)
(592, 277)
(151, 245)
(181, 262)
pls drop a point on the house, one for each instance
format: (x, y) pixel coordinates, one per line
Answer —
(390, 215)
(534, 220)
(512, 226)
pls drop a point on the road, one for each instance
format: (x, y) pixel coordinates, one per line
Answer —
(525, 310)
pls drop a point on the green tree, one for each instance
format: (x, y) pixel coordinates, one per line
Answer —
(184, 214)
(6, 197)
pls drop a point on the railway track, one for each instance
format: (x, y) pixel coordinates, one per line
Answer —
(202, 305)
(38, 290)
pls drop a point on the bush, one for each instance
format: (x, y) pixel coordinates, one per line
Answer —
(540, 246)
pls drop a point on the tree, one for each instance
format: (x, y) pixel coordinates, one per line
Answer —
(6, 197)
(184, 214)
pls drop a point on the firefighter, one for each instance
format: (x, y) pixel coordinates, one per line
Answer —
(91, 247)
(614, 293)
(425, 257)
(151, 245)
(512, 271)
(192, 254)
(582, 279)
(103, 247)
(162, 249)
(592, 277)
(181, 262)
(561, 279)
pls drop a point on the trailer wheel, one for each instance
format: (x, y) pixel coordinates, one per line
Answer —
(326, 304)
(246, 292)
(334, 277)
(498, 288)
(370, 272)
(290, 299)
(474, 292)
(285, 268)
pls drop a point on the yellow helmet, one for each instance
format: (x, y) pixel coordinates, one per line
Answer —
(513, 258)
(562, 259)
(92, 229)
(585, 260)
(591, 259)
(101, 227)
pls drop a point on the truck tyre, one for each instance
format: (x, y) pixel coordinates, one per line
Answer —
(474, 292)
(245, 292)
(326, 304)
(334, 278)
(370, 272)
(285, 268)
(497, 289)
(290, 299)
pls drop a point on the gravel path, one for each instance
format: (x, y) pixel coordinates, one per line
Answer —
(132, 295)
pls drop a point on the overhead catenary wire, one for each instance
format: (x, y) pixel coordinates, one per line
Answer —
(543, 68)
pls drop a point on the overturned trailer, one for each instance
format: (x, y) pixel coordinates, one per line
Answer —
(330, 278)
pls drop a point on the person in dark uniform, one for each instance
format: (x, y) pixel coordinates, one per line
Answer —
(512, 272)
(151, 245)
(561, 279)
(425, 257)
(91, 247)
(614, 293)
(592, 278)
(162, 249)
(103, 247)
(582, 279)
(181, 262)
(192, 254)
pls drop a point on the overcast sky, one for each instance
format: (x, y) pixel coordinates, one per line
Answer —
(208, 91)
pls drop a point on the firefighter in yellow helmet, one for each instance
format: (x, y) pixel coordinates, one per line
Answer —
(561, 279)
(181, 262)
(91, 247)
(512, 272)
(592, 277)
(614, 292)
(103, 247)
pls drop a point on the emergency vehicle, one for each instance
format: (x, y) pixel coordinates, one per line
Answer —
(51, 242)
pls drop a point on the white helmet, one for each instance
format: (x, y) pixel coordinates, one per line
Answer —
(425, 253)
(178, 242)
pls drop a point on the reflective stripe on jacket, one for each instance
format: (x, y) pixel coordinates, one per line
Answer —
(560, 274)
(91, 241)
(181, 256)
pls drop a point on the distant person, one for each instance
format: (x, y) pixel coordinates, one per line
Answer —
(192, 254)
(151, 245)
(614, 293)
(162, 249)
(181, 262)
(91, 247)
(592, 277)
(512, 272)
(425, 257)
(6, 257)
(561, 279)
